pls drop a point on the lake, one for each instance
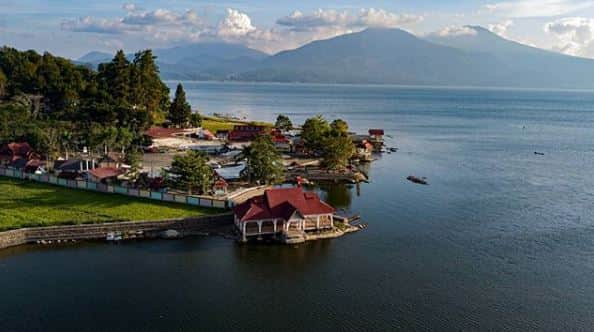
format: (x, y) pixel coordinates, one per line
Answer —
(501, 239)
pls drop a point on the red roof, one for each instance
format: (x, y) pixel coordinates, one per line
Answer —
(160, 132)
(376, 132)
(17, 150)
(221, 183)
(280, 139)
(106, 172)
(281, 204)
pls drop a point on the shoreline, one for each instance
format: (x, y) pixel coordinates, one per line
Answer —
(133, 229)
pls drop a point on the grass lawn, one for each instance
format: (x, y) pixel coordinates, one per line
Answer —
(213, 124)
(29, 204)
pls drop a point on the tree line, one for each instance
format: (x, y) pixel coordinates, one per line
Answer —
(59, 106)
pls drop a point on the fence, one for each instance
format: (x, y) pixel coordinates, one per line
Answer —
(100, 187)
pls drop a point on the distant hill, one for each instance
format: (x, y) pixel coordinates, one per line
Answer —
(383, 56)
(375, 56)
(194, 61)
(393, 56)
(523, 65)
(95, 57)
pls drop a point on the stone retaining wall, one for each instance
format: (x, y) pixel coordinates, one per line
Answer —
(190, 226)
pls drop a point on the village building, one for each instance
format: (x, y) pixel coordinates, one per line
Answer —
(73, 168)
(220, 187)
(282, 143)
(282, 211)
(110, 160)
(13, 151)
(376, 137)
(32, 166)
(243, 133)
(104, 174)
(222, 134)
(364, 150)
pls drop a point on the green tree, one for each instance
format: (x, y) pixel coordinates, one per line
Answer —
(191, 172)
(337, 150)
(180, 110)
(340, 126)
(313, 132)
(283, 122)
(124, 139)
(2, 83)
(196, 120)
(264, 162)
(149, 94)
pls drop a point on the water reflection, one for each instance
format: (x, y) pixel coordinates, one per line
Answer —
(283, 258)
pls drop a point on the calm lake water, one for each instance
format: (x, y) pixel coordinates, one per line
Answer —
(501, 239)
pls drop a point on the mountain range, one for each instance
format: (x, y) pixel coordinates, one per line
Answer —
(381, 56)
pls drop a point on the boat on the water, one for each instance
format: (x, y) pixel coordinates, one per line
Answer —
(417, 180)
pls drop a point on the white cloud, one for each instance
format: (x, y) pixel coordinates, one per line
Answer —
(501, 28)
(575, 35)
(235, 24)
(537, 8)
(366, 17)
(455, 31)
(165, 26)
(130, 7)
(95, 25)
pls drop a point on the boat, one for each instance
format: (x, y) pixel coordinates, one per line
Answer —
(110, 236)
(539, 153)
(417, 180)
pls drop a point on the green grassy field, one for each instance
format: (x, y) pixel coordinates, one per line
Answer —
(213, 124)
(30, 204)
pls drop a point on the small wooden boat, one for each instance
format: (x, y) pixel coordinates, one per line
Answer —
(417, 180)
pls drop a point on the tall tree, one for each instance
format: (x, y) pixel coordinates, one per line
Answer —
(340, 126)
(2, 83)
(191, 172)
(264, 162)
(283, 122)
(313, 132)
(149, 94)
(180, 110)
(337, 150)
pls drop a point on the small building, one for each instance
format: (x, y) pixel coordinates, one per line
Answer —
(243, 133)
(282, 211)
(282, 143)
(376, 134)
(205, 134)
(222, 135)
(73, 168)
(110, 160)
(364, 151)
(104, 174)
(13, 151)
(32, 166)
(220, 187)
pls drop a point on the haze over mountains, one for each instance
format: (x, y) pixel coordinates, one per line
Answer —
(381, 56)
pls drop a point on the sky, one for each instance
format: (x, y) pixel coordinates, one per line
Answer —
(71, 28)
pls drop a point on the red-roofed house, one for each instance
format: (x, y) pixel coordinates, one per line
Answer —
(13, 151)
(281, 211)
(104, 174)
(243, 133)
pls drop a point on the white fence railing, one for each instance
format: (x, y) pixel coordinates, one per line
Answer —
(111, 189)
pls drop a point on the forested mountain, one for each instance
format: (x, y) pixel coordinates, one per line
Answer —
(199, 61)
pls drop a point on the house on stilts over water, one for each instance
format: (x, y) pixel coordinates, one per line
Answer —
(283, 213)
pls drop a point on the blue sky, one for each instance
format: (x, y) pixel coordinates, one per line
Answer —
(72, 28)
